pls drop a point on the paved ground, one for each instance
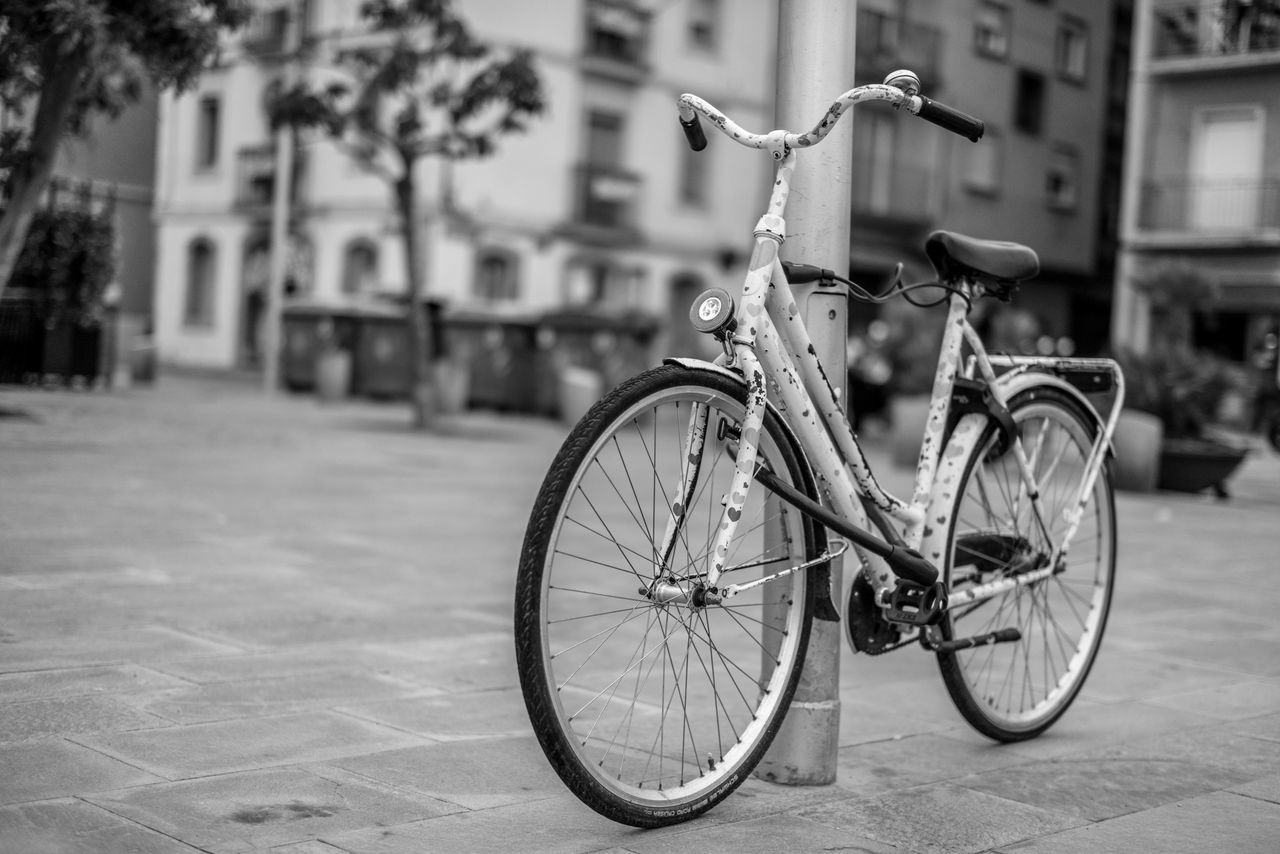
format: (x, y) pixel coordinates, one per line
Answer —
(237, 624)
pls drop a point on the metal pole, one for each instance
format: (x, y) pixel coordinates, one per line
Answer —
(815, 64)
(281, 190)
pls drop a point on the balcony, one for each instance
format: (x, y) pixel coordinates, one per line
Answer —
(1219, 211)
(616, 42)
(606, 202)
(1215, 34)
(263, 36)
(256, 179)
(886, 43)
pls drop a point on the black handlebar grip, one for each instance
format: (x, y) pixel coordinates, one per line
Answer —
(951, 119)
(693, 132)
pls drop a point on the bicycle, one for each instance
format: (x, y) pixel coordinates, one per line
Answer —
(679, 548)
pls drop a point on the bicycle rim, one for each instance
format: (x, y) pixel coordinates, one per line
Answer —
(1012, 691)
(652, 712)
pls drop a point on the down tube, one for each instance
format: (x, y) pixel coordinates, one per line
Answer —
(829, 472)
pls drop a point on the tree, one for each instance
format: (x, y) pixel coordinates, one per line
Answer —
(418, 85)
(62, 62)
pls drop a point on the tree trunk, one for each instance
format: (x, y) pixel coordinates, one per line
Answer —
(31, 176)
(422, 387)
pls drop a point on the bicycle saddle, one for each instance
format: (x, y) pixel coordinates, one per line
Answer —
(955, 255)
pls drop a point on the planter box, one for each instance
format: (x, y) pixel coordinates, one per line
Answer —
(1193, 465)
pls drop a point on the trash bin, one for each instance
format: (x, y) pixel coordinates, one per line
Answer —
(499, 352)
(616, 346)
(383, 362)
(306, 326)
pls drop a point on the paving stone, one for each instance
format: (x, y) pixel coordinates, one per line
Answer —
(43, 770)
(902, 763)
(1263, 726)
(321, 658)
(198, 750)
(67, 682)
(474, 774)
(1232, 702)
(259, 809)
(760, 836)
(1267, 789)
(466, 663)
(1117, 676)
(446, 717)
(557, 825)
(1214, 746)
(138, 645)
(64, 715)
(74, 827)
(276, 629)
(1089, 726)
(939, 818)
(281, 695)
(1100, 789)
(1215, 822)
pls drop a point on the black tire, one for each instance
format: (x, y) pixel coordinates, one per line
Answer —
(1016, 690)
(641, 747)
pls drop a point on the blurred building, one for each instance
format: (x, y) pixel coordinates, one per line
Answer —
(1048, 79)
(600, 204)
(1202, 189)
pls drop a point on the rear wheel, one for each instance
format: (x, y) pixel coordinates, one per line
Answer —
(652, 701)
(1016, 690)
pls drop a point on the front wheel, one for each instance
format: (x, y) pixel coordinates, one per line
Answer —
(1016, 690)
(652, 700)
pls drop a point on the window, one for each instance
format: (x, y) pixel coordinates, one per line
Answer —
(1063, 179)
(694, 175)
(704, 20)
(198, 307)
(208, 129)
(360, 267)
(1072, 52)
(1028, 108)
(604, 138)
(982, 174)
(496, 276)
(991, 30)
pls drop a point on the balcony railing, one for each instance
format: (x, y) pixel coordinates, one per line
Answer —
(256, 178)
(1216, 28)
(607, 199)
(1211, 207)
(264, 34)
(617, 38)
(886, 42)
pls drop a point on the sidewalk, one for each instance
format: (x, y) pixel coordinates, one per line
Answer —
(231, 623)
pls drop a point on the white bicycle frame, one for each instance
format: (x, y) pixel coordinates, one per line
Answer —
(771, 349)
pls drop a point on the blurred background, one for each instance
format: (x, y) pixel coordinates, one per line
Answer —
(1132, 143)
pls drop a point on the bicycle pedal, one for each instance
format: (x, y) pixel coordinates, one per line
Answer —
(914, 604)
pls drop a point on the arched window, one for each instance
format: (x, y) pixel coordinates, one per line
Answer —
(201, 283)
(497, 276)
(360, 267)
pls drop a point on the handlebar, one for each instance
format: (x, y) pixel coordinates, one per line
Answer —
(900, 89)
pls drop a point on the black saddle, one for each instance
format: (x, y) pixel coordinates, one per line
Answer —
(996, 261)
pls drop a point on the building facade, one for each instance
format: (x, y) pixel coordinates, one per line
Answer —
(1202, 188)
(1042, 75)
(599, 205)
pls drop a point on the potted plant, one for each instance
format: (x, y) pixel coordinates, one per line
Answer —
(1183, 390)
(1181, 387)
